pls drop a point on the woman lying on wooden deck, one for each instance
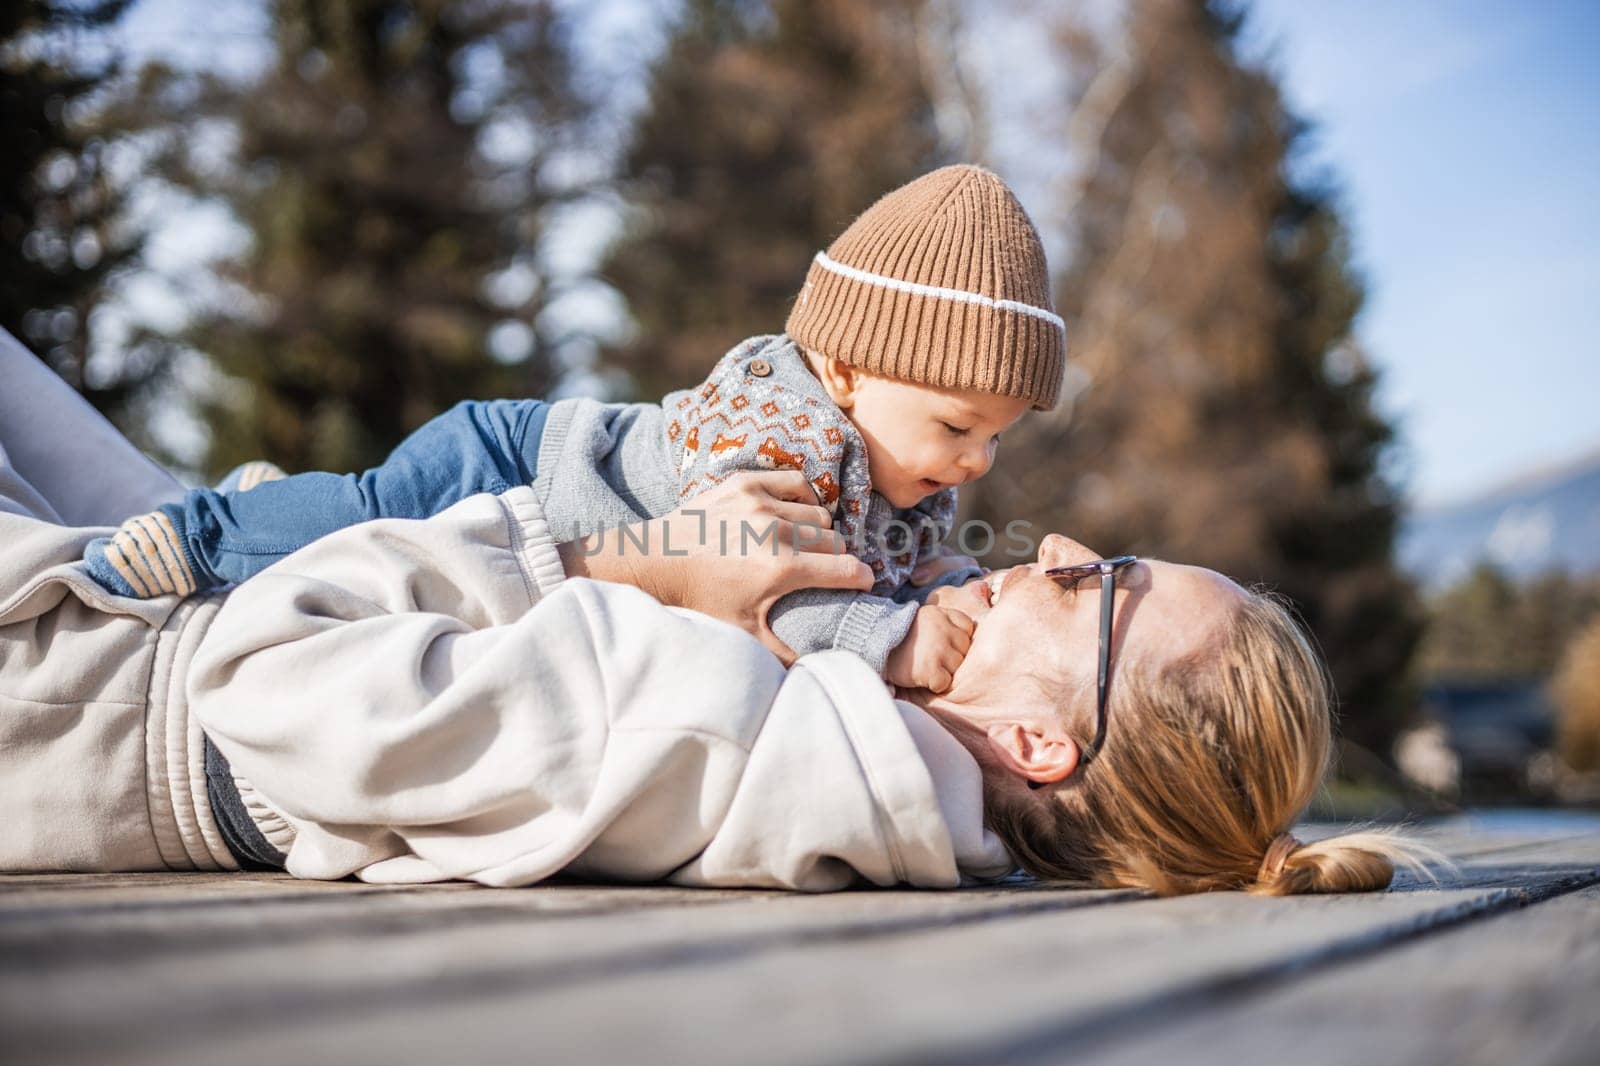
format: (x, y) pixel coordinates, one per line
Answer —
(463, 698)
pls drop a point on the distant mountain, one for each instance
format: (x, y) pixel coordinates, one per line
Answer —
(1544, 521)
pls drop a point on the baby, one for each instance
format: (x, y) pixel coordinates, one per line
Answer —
(920, 335)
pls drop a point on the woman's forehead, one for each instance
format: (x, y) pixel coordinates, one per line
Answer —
(1177, 607)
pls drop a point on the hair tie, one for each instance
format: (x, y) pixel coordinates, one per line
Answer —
(1283, 845)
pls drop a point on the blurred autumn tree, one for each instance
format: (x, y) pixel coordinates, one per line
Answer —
(1487, 627)
(395, 165)
(1219, 411)
(1576, 691)
(63, 231)
(769, 127)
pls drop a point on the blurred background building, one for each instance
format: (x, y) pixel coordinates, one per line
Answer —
(1328, 272)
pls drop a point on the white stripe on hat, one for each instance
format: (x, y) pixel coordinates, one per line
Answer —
(918, 289)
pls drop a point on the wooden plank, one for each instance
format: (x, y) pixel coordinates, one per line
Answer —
(199, 977)
(1520, 988)
(924, 976)
(23, 896)
(34, 949)
(214, 906)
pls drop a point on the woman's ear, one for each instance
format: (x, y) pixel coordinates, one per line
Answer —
(840, 379)
(1041, 759)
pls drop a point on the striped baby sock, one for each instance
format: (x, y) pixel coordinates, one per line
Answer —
(146, 557)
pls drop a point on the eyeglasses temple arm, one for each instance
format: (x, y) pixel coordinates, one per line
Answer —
(1108, 586)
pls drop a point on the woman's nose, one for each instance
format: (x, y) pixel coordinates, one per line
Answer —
(1057, 550)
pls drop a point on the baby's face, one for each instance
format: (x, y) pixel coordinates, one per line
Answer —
(922, 439)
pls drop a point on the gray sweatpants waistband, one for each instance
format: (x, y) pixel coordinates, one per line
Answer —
(245, 841)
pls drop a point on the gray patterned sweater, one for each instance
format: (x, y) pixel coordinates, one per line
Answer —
(604, 465)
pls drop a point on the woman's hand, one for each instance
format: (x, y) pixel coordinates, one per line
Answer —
(731, 552)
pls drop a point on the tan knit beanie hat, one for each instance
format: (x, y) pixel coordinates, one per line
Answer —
(943, 282)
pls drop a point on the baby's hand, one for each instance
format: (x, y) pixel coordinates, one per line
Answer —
(934, 647)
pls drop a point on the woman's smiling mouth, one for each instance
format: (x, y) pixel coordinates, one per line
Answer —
(994, 583)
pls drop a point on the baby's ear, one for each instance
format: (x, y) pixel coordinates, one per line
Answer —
(838, 377)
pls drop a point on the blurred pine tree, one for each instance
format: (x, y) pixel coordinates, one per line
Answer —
(1487, 627)
(769, 127)
(1219, 411)
(395, 160)
(63, 232)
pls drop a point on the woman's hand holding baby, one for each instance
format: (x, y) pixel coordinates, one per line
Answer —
(731, 552)
(932, 651)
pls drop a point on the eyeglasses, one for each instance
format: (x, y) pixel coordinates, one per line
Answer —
(1071, 575)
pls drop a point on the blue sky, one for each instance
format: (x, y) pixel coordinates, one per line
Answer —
(1466, 134)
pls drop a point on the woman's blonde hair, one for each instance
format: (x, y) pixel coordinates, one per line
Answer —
(1206, 765)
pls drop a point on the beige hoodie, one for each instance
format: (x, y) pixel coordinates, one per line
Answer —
(429, 700)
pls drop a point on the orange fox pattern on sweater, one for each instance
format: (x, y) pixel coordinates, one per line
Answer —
(827, 487)
(762, 409)
(757, 423)
(773, 457)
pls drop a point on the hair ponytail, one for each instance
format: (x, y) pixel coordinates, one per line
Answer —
(1354, 862)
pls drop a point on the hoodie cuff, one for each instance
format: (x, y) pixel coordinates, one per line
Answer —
(873, 627)
(532, 542)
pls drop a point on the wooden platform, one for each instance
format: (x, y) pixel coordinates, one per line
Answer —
(1500, 963)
